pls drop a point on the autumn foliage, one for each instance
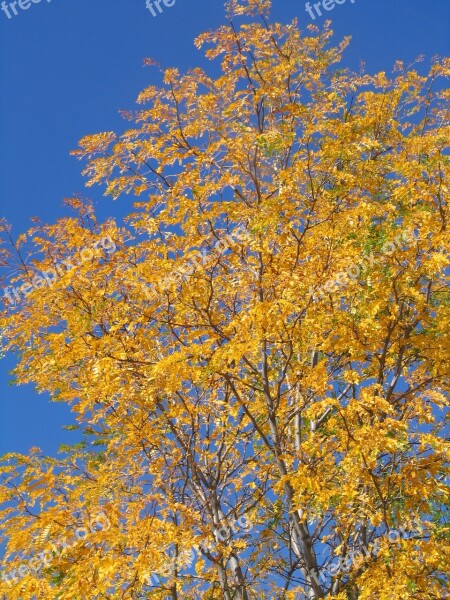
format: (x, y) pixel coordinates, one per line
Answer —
(268, 341)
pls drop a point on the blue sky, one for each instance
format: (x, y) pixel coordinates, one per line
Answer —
(67, 68)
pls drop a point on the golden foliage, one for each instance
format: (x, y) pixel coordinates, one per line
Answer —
(219, 373)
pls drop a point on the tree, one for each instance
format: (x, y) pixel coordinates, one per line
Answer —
(258, 357)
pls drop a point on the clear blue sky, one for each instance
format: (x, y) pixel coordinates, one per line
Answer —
(68, 66)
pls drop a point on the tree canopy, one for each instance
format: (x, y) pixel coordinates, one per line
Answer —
(257, 356)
